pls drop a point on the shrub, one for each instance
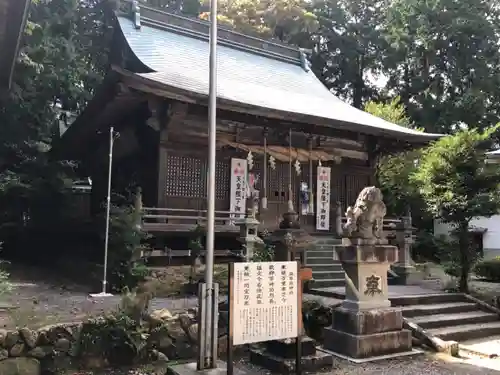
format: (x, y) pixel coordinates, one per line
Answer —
(263, 253)
(488, 269)
(126, 242)
(113, 337)
(5, 285)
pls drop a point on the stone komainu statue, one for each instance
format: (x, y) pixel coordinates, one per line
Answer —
(365, 219)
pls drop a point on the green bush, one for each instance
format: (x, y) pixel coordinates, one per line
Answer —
(263, 253)
(488, 269)
(126, 243)
(5, 285)
(430, 248)
(112, 337)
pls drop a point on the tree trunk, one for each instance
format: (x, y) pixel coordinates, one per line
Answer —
(465, 267)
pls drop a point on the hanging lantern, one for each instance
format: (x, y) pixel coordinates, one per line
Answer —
(319, 163)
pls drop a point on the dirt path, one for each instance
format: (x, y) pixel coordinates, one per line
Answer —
(39, 300)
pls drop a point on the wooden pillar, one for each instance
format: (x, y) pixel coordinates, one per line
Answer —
(168, 115)
(373, 156)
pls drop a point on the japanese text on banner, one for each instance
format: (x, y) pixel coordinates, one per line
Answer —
(238, 188)
(323, 198)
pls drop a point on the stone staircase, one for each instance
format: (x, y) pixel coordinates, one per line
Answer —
(326, 269)
(449, 316)
(322, 259)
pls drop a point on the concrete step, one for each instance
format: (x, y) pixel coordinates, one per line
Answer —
(320, 260)
(320, 253)
(427, 299)
(467, 332)
(438, 308)
(450, 320)
(334, 267)
(326, 283)
(327, 241)
(324, 275)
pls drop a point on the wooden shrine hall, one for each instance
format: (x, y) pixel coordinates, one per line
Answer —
(280, 131)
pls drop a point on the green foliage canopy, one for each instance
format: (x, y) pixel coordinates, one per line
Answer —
(455, 180)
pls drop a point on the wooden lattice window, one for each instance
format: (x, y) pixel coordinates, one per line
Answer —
(338, 189)
(185, 177)
(354, 185)
(222, 178)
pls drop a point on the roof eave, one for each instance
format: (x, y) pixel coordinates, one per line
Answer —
(192, 97)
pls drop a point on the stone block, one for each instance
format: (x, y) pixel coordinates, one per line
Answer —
(366, 346)
(288, 348)
(312, 363)
(366, 322)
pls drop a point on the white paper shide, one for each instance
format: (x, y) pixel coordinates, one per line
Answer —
(264, 306)
(323, 198)
(238, 188)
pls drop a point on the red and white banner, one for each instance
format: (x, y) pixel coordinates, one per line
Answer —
(323, 198)
(238, 188)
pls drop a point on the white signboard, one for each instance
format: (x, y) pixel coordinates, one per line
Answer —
(323, 198)
(264, 304)
(238, 188)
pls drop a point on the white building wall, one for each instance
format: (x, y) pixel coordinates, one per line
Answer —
(491, 238)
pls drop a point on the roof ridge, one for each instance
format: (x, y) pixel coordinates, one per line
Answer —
(197, 28)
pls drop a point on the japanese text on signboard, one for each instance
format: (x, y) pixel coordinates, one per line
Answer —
(264, 306)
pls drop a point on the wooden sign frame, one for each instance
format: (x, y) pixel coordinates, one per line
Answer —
(298, 339)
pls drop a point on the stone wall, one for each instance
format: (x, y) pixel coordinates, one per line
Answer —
(161, 336)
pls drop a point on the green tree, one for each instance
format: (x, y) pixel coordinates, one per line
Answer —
(458, 185)
(394, 171)
(444, 61)
(349, 47)
(289, 21)
(186, 7)
(61, 61)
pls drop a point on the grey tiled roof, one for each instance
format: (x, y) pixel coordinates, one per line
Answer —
(182, 62)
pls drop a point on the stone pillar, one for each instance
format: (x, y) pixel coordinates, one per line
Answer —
(365, 325)
(407, 274)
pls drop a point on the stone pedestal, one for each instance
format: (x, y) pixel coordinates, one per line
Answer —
(365, 325)
(407, 274)
(280, 356)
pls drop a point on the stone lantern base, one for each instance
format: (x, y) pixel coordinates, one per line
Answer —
(366, 325)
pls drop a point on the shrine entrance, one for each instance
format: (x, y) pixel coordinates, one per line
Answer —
(277, 195)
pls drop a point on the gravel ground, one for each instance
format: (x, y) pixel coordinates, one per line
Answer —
(420, 365)
(40, 300)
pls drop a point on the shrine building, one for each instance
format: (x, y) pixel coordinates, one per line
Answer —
(278, 127)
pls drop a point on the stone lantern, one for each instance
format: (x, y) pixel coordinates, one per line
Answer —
(290, 241)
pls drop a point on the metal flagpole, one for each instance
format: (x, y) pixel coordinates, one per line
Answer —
(210, 297)
(112, 137)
